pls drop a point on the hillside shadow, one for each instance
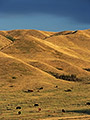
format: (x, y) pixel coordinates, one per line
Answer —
(84, 111)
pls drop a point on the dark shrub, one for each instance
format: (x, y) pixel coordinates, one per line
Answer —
(87, 69)
(10, 38)
(71, 77)
(13, 77)
(11, 86)
(59, 68)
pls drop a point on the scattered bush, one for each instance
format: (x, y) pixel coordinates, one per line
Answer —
(59, 68)
(11, 86)
(75, 31)
(87, 69)
(71, 77)
(10, 38)
(13, 77)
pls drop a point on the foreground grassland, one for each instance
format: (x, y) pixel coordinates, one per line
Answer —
(51, 101)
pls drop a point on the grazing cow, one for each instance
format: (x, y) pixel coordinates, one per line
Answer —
(68, 90)
(63, 111)
(88, 103)
(40, 88)
(39, 109)
(56, 86)
(36, 104)
(18, 107)
(19, 112)
(30, 91)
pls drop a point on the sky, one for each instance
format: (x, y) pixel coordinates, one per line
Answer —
(47, 15)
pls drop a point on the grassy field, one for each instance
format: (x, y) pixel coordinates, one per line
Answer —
(72, 97)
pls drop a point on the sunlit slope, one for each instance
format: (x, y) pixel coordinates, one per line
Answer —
(21, 75)
(60, 53)
(74, 43)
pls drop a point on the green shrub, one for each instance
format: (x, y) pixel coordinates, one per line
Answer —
(87, 69)
(10, 38)
(71, 77)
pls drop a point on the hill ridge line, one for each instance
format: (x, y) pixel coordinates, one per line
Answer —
(51, 45)
(55, 47)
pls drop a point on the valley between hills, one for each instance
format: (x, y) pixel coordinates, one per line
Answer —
(44, 75)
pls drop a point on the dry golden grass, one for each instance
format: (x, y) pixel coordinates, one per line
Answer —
(32, 59)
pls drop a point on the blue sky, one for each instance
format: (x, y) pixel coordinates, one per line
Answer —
(47, 15)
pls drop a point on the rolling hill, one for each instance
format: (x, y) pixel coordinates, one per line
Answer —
(30, 59)
(62, 53)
